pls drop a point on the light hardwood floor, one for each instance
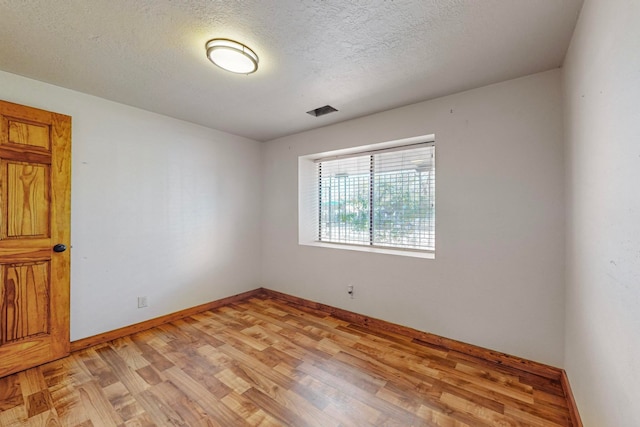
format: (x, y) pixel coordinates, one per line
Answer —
(264, 362)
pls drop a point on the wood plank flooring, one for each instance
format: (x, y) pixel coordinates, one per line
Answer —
(264, 362)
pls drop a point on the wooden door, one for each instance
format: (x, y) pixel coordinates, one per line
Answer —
(35, 192)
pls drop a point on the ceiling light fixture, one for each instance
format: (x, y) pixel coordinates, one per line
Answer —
(232, 56)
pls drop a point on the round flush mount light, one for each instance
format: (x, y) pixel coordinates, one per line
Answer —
(232, 56)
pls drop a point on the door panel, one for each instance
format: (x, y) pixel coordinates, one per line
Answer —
(25, 301)
(28, 134)
(35, 148)
(27, 187)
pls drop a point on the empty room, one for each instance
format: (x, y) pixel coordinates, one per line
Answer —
(320, 213)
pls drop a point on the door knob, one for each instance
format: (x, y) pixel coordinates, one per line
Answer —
(59, 248)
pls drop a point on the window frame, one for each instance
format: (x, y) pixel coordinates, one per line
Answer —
(309, 209)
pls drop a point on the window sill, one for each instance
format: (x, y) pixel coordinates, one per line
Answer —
(377, 250)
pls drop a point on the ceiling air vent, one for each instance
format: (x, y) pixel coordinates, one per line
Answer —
(322, 111)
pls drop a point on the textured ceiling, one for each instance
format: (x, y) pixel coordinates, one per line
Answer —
(358, 56)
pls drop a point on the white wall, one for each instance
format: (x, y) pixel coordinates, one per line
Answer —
(602, 114)
(497, 280)
(160, 207)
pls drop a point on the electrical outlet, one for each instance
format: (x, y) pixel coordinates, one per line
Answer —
(350, 290)
(142, 302)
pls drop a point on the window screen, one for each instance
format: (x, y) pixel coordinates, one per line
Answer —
(381, 198)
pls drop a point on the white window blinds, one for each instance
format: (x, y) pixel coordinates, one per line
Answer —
(382, 198)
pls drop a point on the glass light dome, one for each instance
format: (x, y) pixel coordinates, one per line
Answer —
(232, 56)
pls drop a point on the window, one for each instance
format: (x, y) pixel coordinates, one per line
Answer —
(380, 198)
